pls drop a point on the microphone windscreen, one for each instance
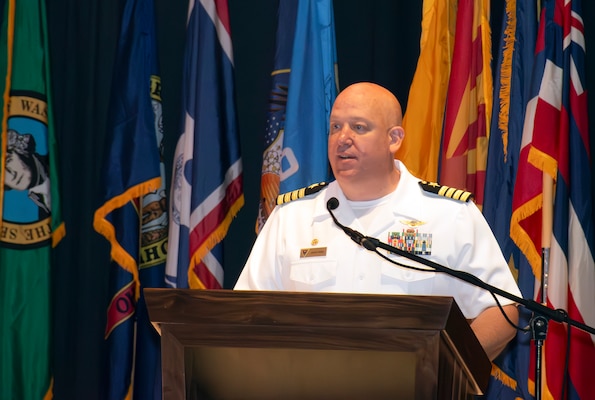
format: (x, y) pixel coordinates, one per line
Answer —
(332, 203)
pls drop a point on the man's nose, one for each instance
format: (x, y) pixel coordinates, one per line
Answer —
(345, 135)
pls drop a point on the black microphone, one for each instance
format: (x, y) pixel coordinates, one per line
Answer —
(356, 236)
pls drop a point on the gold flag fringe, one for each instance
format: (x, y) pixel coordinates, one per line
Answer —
(506, 73)
(105, 228)
(217, 236)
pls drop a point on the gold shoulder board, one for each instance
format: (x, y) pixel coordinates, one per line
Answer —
(446, 191)
(299, 193)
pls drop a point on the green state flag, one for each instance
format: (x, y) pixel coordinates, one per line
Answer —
(30, 223)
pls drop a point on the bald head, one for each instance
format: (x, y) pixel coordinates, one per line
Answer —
(374, 97)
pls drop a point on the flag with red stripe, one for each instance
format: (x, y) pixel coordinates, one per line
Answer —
(207, 189)
(468, 112)
(555, 146)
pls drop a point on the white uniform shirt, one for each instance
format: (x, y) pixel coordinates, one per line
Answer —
(301, 249)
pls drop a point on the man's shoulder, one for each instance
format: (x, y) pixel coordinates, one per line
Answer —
(446, 191)
(300, 193)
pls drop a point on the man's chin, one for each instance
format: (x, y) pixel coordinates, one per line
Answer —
(348, 176)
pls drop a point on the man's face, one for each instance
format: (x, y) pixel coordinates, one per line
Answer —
(359, 145)
(18, 175)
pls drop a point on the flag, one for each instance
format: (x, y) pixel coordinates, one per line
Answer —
(133, 214)
(511, 94)
(207, 187)
(468, 111)
(29, 203)
(303, 90)
(275, 125)
(424, 113)
(555, 146)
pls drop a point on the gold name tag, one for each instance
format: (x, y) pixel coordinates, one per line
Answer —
(313, 252)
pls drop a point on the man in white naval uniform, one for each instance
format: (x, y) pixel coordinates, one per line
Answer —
(300, 248)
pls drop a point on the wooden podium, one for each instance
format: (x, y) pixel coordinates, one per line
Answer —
(223, 345)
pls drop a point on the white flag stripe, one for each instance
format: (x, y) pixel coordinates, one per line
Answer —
(214, 266)
(222, 34)
(582, 271)
(215, 198)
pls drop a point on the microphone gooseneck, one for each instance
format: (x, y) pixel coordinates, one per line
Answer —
(356, 236)
(541, 313)
(373, 244)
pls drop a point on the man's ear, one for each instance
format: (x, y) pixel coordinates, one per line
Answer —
(397, 134)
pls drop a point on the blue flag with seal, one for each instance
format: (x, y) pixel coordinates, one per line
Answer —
(133, 216)
(303, 90)
(312, 91)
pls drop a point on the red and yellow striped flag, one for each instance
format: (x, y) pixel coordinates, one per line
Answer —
(469, 102)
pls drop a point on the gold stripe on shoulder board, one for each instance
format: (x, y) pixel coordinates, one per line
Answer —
(299, 193)
(446, 191)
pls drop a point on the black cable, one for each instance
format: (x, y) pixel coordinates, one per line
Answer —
(461, 272)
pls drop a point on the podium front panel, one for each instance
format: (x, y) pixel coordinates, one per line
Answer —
(228, 373)
(221, 345)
